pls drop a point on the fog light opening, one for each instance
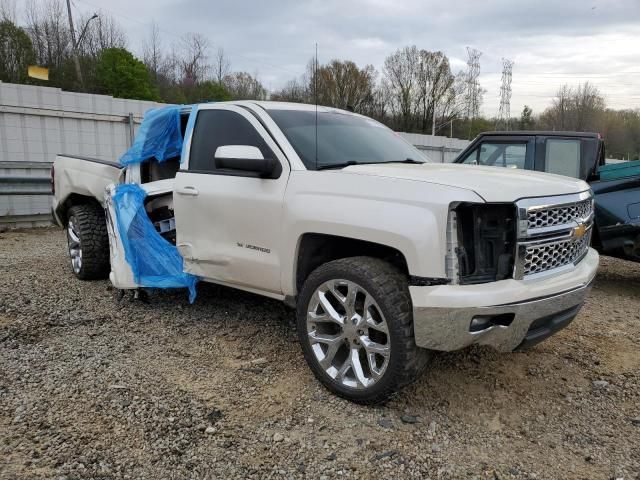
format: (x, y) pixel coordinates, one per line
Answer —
(484, 322)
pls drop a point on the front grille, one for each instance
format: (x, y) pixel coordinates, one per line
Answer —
(557, 233)
(547, 256)
(561, 215)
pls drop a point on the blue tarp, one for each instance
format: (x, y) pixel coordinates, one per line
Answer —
(159, 137)
(154, 261)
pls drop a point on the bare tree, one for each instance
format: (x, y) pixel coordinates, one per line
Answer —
(152, 52)
(561, 108)
(400, 78)
(580, 109)
(342, 84)
(434, 87)
(378, 104)
(244, 86)
(102, 33)
(47, 27)
(588, 105)
(294, 90)
(221, 65)
(193, 58)
(8, 11)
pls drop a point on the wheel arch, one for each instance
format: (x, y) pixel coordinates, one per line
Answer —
(62, 209)
(315, 249)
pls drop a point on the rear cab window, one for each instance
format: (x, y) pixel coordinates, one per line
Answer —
(562, 156)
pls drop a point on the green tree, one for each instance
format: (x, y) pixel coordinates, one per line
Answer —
(526, 118)
(120, 74)
(16, 53)
(207, 91)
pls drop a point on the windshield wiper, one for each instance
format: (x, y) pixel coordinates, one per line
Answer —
(328, 166)
(406, 160)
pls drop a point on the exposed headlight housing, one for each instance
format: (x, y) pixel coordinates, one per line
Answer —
(481, 242)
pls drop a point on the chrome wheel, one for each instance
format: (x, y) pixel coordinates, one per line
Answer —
(348, 334)
(75, 248)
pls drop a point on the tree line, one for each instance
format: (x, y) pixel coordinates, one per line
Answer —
(415, 91)
(583, 108)
(182, 72)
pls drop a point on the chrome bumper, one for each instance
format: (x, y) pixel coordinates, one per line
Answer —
(505, 327)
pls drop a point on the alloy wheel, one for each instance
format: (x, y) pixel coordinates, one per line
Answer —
(75, 247)
(348, 334)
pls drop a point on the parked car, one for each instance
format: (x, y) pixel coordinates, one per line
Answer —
(384, 255)
(579, 155)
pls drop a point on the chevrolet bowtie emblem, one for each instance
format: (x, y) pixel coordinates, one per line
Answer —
(579, 231)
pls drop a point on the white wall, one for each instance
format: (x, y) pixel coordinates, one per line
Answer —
(438, 149)
(37, 123)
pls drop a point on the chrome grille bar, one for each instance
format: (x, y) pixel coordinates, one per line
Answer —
(553, 233)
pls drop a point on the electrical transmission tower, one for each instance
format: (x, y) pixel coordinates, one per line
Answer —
(504, 115)
(473, 85)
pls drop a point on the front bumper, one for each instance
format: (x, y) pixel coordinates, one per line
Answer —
(506, 315)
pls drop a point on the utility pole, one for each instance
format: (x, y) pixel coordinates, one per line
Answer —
(74, 45)
(504, 114)
(75, 42)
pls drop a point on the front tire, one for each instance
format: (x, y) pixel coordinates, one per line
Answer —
(88, 242)
(355, 325)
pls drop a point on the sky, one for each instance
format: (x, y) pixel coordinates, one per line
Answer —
(550, 41)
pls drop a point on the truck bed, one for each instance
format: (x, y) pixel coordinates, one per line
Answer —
(615, 171)
(84, 176)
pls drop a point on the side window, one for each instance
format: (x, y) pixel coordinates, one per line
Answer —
(562, 157)
(215, 128)
(510, 155)
(471, 158)
(488, 154)
(515, 155)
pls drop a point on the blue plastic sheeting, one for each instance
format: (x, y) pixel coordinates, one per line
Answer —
(159, 137)
(154, 261)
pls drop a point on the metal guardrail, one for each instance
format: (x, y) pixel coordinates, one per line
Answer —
(25, 194)
(24, 185)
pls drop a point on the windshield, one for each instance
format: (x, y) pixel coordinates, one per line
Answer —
(343, 139)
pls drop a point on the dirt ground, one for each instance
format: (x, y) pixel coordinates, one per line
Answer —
(95, 385)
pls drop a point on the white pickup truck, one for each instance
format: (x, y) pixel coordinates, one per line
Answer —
(384, 255)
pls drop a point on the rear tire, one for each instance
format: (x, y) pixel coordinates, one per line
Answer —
(88, 242)
(361, 349)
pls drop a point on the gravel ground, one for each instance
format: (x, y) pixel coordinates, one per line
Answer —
(95, 385)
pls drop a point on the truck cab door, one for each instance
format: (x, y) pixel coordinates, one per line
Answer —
(229, 222)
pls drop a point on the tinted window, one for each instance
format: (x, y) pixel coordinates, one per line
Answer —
(563, 157)
(511, 155)
(341, 138)
(215, 128)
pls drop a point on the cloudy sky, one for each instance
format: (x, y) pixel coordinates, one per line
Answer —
(551, 41)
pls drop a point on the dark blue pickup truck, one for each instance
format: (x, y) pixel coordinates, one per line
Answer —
(580, 155)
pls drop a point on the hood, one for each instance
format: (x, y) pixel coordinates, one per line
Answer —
(493, 184)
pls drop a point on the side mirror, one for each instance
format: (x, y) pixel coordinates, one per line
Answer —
(244, 158)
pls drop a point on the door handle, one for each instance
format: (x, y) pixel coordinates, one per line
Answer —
(188, 190)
